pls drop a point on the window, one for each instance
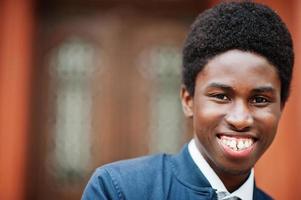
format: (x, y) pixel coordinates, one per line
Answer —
(161, 65)
(72, 66)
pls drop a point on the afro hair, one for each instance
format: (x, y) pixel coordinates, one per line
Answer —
(246, 26)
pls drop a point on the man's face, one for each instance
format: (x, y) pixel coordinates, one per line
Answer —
(235, 110)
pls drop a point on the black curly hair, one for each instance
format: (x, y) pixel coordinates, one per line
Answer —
(243, 25)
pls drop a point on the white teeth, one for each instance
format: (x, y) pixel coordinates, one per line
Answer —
(237, 144)
(232, 144)
(240, 144)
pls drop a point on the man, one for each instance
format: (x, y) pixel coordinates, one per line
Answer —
(237, 70)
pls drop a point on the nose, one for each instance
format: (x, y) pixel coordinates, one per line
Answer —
(239, 117)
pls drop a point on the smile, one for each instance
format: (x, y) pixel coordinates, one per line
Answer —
(237, 144)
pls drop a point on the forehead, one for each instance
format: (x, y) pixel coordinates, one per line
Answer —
(239, 68)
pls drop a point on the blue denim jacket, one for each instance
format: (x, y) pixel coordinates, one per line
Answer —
(174, 177)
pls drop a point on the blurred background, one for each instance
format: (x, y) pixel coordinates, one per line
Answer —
(87, 82)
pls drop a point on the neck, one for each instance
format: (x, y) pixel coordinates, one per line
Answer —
(233, 182)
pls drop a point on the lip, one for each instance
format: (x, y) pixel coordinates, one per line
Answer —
(237, 135)
(241, 154)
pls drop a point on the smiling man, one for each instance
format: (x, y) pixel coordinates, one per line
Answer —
(235, 108)
(237, 69)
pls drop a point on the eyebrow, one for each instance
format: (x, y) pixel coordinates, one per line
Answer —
(261, 89)
(220, 86)
(264, 89)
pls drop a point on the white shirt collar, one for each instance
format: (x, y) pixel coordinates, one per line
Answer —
(245, 191)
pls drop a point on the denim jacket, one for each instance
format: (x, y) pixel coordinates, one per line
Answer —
(156, 177)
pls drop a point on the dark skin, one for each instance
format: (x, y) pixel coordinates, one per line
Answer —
(237, 96)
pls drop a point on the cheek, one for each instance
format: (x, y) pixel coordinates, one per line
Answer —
(268, 123)
(206, 117)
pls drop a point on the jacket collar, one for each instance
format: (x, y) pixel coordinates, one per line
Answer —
(187, 172)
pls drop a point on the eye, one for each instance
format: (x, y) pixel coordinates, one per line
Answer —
(220, 97)
(260, 100)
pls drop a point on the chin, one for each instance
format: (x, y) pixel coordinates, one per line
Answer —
(235, 171)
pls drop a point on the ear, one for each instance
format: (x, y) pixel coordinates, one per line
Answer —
(187, 102)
